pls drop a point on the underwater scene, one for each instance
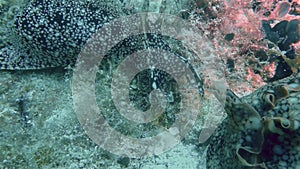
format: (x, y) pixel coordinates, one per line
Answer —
(149, 84)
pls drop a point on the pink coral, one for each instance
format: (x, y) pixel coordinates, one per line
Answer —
(242, 19)
(269, 70)
(256, 79)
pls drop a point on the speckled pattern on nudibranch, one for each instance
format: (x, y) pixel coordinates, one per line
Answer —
(50, 33)
(262, 130)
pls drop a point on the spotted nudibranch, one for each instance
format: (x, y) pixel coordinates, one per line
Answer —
(51, 33)
(262, 130)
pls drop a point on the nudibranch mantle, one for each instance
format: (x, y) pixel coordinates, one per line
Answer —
(262, 130)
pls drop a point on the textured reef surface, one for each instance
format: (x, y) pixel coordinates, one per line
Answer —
(262, 130)
(38, 127)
